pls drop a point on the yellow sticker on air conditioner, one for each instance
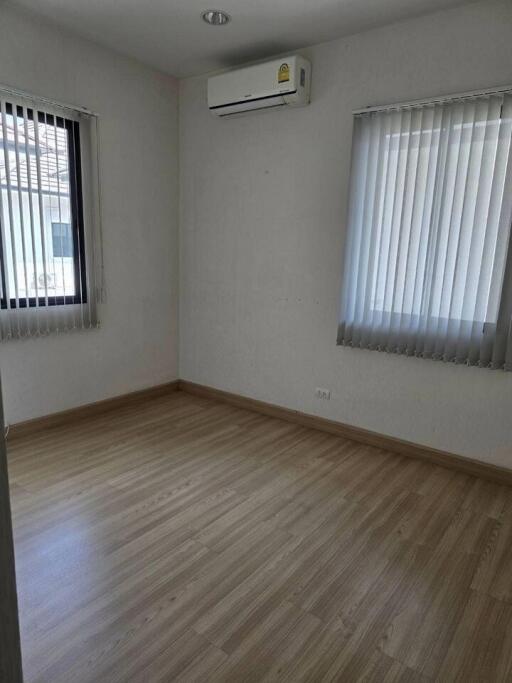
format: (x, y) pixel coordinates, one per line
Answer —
(283, 75)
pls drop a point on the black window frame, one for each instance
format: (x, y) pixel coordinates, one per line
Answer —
(72, 128)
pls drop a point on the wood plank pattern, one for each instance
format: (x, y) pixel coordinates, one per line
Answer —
(10, 651)
(185, 539)
(72, 415)
(459, 463)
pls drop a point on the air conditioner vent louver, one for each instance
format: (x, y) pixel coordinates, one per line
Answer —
(277, 83)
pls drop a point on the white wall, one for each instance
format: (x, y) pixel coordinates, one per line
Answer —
(137, 343)
(263, 209)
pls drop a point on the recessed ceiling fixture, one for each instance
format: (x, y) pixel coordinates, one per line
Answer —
(216, 17)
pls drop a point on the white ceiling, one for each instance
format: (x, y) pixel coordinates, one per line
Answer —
(170, 35)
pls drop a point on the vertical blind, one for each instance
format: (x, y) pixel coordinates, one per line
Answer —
(50, 248)
(427, 263)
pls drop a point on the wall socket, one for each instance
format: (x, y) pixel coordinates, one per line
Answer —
(324, 394)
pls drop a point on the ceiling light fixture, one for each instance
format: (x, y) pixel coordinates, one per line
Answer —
(216, 17)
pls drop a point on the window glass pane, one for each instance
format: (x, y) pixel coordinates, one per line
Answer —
(35, 187)
(62, 240)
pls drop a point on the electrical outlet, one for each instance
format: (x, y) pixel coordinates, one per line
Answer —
(324, 394)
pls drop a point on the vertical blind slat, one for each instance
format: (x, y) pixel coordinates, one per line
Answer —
(408, 260)
(33, 232)
(354, 238)
(451, 232)
(431, 235)
(84, 317)
(10, 220)
(400, 245)
(59, 214)
(458, 327)
(424, 233)
(41, 219)
(383, 211)
(26, 328)
(77, 321)
(481, 231)
(375, 203)
(365, 217)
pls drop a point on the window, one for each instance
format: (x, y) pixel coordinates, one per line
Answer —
(40, 173)
(48, 225)
(62, 240)
(426, 270)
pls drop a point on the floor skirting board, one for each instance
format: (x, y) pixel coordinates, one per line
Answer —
(469, 466)
(89, 410)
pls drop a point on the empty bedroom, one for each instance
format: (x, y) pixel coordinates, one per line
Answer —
(255, 341)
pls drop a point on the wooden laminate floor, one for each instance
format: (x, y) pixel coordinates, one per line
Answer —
(188, 540)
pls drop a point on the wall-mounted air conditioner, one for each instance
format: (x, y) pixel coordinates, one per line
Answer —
(277, 83)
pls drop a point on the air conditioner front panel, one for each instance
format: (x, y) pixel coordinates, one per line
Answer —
(249, 83)
(261, 86)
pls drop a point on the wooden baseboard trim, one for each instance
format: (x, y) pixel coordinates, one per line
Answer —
(469, 466)
(89, 410)
(459, 463)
